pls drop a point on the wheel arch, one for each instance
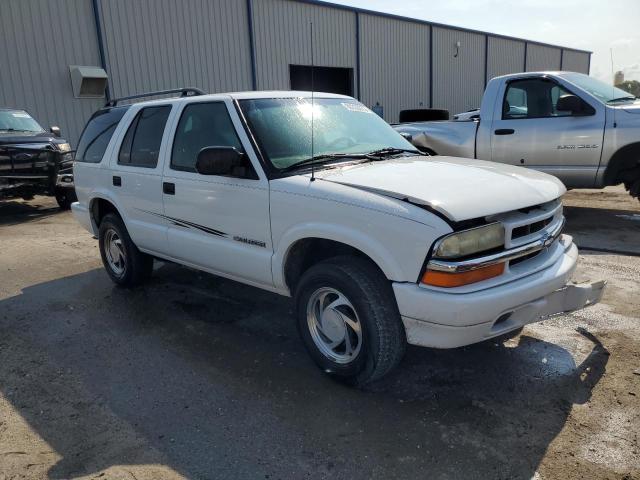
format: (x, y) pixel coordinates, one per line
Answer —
(305, 250)
(625, 159)
(99, 206)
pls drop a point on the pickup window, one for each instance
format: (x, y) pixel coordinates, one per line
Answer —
(141, 144)
(533, 98)
(202, 125)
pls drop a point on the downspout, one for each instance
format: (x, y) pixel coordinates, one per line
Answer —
(103, 59)
(252, 50)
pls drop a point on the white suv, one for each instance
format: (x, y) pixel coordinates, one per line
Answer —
(379, 245)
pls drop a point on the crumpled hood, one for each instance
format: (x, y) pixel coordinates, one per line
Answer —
(459, 188)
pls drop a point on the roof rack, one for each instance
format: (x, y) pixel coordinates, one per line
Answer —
(184, 92)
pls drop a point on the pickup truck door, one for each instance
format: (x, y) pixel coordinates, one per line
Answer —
(217, 223)
(529, 130)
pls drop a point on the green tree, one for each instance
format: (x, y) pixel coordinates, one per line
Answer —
(630, 86)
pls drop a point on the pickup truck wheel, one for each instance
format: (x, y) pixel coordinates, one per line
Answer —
(126, 265)
(349, 321)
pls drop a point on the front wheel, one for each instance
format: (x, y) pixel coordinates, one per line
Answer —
(126, 265)
(65, 197)
(349, 321)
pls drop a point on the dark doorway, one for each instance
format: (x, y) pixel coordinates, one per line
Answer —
(325, 79)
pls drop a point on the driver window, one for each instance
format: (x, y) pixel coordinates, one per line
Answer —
(533, 98)
(203, 125)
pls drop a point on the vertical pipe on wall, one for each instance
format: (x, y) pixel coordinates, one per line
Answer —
(252, 50)
(526, 44)
(486, 59)
(589, 65)
(358, 54)
(103, 60)
(561, 58)
(431, 66)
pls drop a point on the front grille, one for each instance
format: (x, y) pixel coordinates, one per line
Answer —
(525, 230)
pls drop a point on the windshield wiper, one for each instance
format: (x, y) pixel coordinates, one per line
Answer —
(324, 158)
(392, 151)
(619, 99)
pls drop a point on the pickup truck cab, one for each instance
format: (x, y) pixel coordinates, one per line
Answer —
(379, 244)
(567, 124)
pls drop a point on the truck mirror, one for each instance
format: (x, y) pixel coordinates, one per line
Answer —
(571, 103)
(219, 160)
(55, 131)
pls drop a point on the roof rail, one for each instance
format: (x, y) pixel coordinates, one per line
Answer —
(184, 92)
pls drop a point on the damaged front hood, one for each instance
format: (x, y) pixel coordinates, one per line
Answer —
(458, 188)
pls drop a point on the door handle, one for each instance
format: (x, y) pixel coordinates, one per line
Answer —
(169, 188)
(117, 181)
(505, 131)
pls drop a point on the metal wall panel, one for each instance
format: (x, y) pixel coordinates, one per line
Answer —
(504, 56)
(282, 38)
(394, 64)
(458, 82)
(161, 44)
(573, 61)
(541, 58)
(38, 45)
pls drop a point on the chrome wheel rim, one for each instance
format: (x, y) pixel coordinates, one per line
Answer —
(334, 325)
(114, 252)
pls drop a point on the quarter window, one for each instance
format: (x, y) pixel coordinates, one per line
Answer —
(141, 144)
(202, 125)
(97, 134)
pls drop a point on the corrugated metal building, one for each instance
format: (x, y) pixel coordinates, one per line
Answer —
(387, 61)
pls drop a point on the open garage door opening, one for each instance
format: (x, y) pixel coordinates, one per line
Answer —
(325, 79)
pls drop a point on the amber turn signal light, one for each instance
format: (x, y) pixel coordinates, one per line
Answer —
(448, 280)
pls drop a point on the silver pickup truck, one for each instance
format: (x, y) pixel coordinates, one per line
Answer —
(581, 130)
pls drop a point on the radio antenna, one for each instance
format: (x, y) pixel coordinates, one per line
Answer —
(313, 170)
(613, 88)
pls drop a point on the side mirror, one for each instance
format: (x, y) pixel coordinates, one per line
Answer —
(55, 131)
(220, 161)
(573, 104)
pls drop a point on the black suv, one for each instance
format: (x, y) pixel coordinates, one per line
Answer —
(34, 161)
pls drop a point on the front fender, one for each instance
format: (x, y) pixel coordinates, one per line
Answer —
(371, 247)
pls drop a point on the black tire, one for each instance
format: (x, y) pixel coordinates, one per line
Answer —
(136, 266)
(383, 338)
(65, 197)
(507, 336)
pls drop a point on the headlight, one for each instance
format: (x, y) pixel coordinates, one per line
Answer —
(469, 242)
(64, 147)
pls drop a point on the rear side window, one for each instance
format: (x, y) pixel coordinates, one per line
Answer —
(141, 144)
(97, 134)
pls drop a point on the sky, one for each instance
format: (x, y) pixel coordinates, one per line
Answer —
(595, 25)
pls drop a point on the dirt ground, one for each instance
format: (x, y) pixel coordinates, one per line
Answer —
(193, 376)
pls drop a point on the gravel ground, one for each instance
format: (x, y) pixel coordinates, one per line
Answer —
(193, 376)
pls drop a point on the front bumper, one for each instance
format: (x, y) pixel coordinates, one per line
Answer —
(446, 319)
(64, 180)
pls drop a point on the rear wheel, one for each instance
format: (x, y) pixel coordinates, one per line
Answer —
(126, 265)
(349, 321)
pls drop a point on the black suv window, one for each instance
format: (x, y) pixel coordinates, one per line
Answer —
(202, 125)
(97, 133)
(141, 144)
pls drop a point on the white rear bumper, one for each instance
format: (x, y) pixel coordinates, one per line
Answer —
(83, 217)
(439, 319)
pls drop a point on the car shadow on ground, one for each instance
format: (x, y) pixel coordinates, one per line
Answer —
(208, 377)
(618, 230)
(14, 212)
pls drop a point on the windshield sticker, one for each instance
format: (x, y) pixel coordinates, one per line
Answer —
(356, 107)
(20, 115)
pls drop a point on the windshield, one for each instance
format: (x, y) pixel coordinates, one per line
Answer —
(18, 121)
(282, 126)
(603, 92)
